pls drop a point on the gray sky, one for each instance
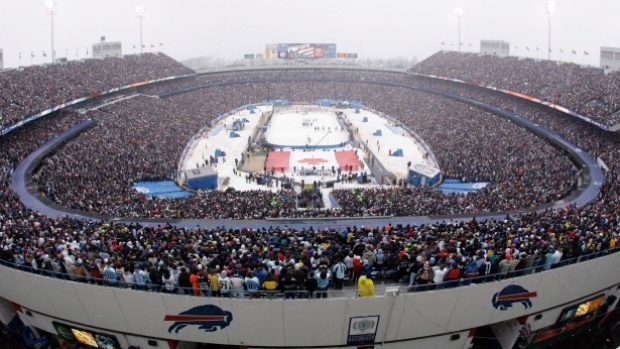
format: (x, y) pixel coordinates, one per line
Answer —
(374, 29)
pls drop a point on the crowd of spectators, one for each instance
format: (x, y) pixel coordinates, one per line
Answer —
(589, 91)
(142, 139)
(213, 261)
(26, 91)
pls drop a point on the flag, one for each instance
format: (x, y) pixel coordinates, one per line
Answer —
(152, 46)
(443, 43)
(516, 47)
(31, 54)
(134, 47)
(20, 55)
(527, 48)
(550, 50)
(470, 44)
(561, 51)
(537, 49)
(586, 53)
(574, 52)
(44, 54)
(160, 44)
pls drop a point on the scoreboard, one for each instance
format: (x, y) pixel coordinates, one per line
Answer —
(300, 51)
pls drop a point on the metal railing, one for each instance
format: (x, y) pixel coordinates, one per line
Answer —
(301, 293)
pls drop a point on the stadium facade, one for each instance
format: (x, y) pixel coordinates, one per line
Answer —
(529, 309)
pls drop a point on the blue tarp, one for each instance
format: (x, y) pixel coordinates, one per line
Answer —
(450, 186)
(203, 183)
(164, 189)
(419, 178)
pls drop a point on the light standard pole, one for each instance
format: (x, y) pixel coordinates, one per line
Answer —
(140, 13)
(459, 13)
(50, 9)
(549, 9)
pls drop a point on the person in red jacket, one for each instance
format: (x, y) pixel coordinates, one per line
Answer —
(453, 275)
(357, 268)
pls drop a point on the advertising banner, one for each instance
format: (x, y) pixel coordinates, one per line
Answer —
(362, 330)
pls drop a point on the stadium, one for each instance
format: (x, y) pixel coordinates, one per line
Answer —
(500, 232)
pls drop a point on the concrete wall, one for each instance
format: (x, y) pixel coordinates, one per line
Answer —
(298, 323)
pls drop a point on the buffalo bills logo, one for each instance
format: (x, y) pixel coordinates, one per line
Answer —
(207, 317)
(512, 294)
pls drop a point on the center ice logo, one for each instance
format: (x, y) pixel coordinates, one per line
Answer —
(209, 318)
(313, 161)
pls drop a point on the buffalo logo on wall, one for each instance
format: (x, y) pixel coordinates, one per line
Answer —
(512, 294)
(209, 318)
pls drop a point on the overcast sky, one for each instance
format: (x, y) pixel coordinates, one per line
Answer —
(373, 29)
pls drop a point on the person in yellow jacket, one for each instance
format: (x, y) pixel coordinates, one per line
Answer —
(365, 287)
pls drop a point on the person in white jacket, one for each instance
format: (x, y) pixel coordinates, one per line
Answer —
(440, 272)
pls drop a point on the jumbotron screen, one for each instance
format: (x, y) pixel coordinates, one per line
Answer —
(300, 51)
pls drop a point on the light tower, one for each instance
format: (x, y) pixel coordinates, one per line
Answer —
(549, 9)
(140, 13)
(51, 7)
(459, 12)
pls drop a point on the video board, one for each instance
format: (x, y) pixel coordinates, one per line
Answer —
(300, 51)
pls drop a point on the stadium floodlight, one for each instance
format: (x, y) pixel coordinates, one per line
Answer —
(140, 13)
(459, 12)
(549, 9)
(51, 7)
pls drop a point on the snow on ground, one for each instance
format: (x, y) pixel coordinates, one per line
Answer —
(288, 126)
(218, 137)
(392, 138)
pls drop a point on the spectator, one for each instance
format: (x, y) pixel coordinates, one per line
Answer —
(365, 287)
(322, 276)
(339, 270)
(252, 284)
